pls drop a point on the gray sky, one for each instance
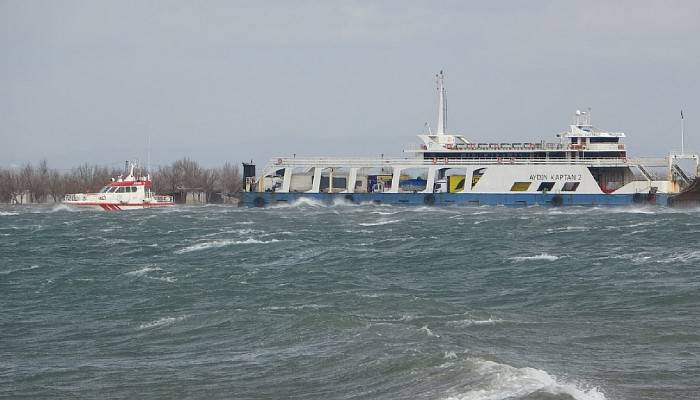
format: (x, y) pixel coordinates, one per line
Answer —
(88, 81)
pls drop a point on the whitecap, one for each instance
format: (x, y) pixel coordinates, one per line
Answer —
(64, 207)
(450, 355)
(297, 307)
(7, 213)
(359, 231)
(469, 322)
(301, 202)
(9, 271)
(380, 222)
(221, 243)
(143, 271)
(384, 212)
(543, 256)
(503, 381)
(161, 322)
(428, 331)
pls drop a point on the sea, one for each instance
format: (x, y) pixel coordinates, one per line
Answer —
(313, 301)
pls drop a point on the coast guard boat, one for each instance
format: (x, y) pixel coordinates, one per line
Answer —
(122, 193)
(585, 166)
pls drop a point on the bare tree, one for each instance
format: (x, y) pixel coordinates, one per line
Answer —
(230, 179)
(42, 183)
(9, 186)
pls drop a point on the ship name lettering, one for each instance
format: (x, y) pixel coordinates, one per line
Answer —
(555, 177)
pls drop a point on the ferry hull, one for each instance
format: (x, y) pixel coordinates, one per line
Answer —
(265, 199)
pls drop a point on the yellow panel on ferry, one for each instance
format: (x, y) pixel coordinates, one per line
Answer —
(455, 183)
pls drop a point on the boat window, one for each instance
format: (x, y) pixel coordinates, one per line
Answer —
(545, 186)
(570, 186)
(520, 186)
(111, 189)
(133, 189)
(120, 190)
(104, 189)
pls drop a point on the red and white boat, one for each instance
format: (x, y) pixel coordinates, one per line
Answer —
(123, 193)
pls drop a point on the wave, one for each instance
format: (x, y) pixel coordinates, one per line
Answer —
(543, 256)
(428, 331)
(469, 322)
(221, 243)
(298, 307)
(507, 382)
(143, 271)
(380, 222)
(161, 322)
(301, 202)
(7, 213)
(10, 271)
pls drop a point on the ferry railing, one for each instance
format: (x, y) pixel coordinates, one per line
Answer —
(282, 161)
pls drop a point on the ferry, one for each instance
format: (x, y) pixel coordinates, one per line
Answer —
(128, 192)
(584, 166)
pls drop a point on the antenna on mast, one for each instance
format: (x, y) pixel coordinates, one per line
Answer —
(442, 104)
(148, 156)
(682, 133)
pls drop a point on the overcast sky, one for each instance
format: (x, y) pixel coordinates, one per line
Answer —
(89, 81)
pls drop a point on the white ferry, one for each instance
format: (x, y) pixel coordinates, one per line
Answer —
(585, 166)
(122, 193)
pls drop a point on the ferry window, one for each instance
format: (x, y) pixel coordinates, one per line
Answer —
(604, 140)
(520, 186)
(104, 189)
(111, 190)
(545, 186)
(133, 189)
(570, 186)
(120, 190)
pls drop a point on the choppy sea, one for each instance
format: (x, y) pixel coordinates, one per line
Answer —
(350, 302)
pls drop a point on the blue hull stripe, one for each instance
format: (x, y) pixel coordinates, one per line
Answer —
(252, 199)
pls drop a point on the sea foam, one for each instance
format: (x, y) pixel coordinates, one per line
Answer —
(380, 222)
(507, 382)
(543, 256)
(221, 243)
(161, 322)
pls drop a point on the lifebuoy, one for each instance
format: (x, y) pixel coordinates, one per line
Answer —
(279, 161)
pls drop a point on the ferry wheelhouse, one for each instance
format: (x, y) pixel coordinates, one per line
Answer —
(128, 192)
(584, 166)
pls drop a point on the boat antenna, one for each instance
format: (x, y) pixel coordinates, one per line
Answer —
(442, 104)
(148, 156)
(682, 133)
